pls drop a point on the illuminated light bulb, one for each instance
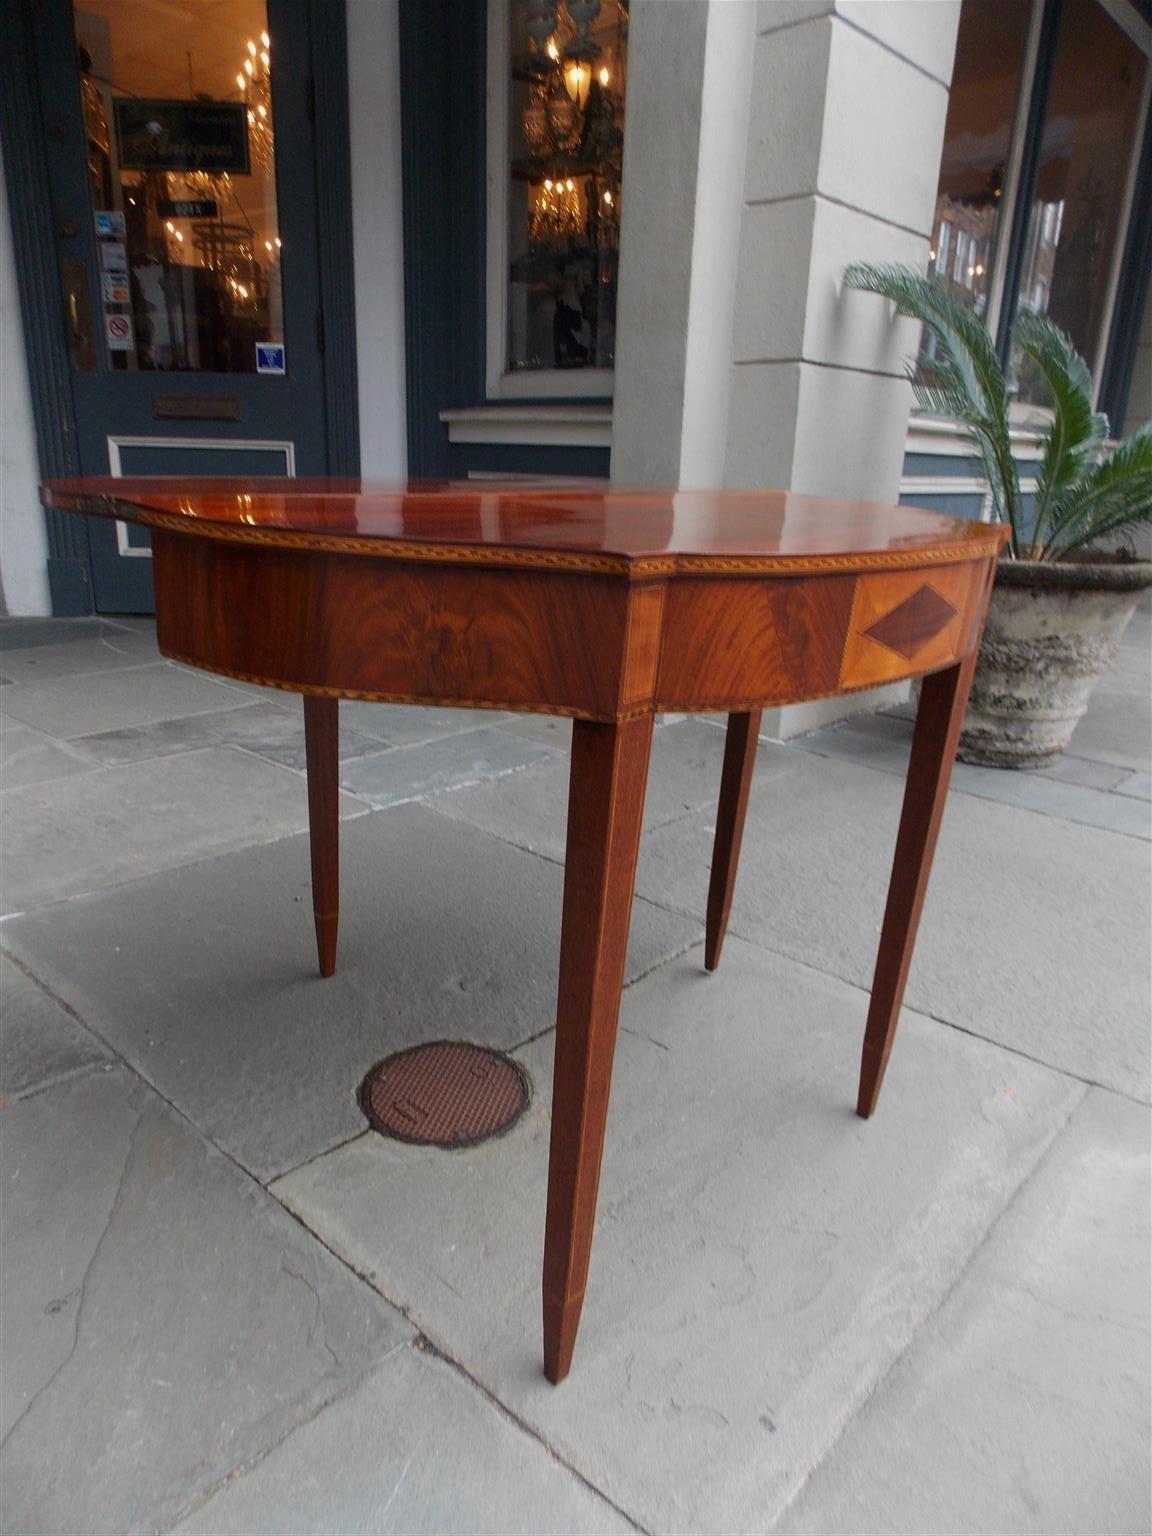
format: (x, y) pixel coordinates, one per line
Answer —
(265, 39)
(604, 77)
(179, 236)
(608, 198)
(251, 47)
(264, 59)
(980, 269)
(170, 227)
(552, 50)
(263, 111)
(931, 255)
(277, 242)
(240, 81)
(569, 185)
(267, 245)
(547, 185)
(249, 69)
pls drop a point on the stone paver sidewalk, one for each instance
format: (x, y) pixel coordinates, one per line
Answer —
(228, 1306)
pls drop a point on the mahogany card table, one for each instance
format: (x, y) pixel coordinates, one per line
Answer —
(605, 604)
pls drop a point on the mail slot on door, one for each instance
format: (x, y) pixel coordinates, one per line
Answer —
(196, 407)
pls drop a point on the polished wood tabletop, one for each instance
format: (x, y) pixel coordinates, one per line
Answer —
(605, 603)
(600, 525)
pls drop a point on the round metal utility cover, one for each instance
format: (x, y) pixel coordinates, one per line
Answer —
(449, 1094)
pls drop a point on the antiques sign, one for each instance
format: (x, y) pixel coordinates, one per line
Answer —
(182, 135)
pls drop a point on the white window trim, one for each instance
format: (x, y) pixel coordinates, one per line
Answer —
(501, 382)
(944, 437)
(552, 426)
(115, 444)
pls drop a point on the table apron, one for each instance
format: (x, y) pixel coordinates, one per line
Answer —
(737, 644)
(596, 647)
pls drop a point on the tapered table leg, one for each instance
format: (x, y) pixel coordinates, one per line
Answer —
(605, 807)
(943, 698)
(739, 760)
(321, 734)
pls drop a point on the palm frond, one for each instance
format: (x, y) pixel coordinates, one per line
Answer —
(1081, 496)
(1113, 496)
(1073, 441)
(965, 379)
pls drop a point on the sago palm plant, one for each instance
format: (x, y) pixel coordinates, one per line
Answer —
(1084, 492)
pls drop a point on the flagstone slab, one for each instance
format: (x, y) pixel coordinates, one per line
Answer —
(762, 1256)
(205, 977)
(415, 1449)
(39, 1043)
(1077, 790)
(450, 763)
(1034, 932)
(271, 728)
(27, 756)
(410, 725)
(67, 707)
(164, 1320)
(99, 830)
(1043, 1348)
(109, 650)
(683, 776)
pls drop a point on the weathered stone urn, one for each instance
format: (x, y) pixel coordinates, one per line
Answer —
(1052, 629)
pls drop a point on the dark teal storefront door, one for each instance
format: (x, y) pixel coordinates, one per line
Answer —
(182, 177)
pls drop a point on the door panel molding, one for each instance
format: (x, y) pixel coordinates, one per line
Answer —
(128, 550)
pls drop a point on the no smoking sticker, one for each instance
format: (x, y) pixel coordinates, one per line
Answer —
(118, 331)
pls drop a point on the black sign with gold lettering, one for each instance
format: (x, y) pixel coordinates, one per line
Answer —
(187, 208)
(182, 135)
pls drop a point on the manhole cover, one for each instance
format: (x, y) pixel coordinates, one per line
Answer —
(445, 1095)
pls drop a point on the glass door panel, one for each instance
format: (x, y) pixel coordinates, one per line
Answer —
(180, 145)
(1086, 149)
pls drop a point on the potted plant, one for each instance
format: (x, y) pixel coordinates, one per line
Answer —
(1061, 599)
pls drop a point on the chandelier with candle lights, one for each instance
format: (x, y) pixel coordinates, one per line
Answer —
(254, 82)
(571, 121)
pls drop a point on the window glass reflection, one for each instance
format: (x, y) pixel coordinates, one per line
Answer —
(981, 107)
(180, 146)
(568, 72)
(1086, 150)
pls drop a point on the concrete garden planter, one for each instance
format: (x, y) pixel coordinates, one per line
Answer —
(1052, 629)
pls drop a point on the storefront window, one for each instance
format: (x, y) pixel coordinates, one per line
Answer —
(977, 136)
(1055, 221)
(182, 168)
(1090, 129)
(567, 67)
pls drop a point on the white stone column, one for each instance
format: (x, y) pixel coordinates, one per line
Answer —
(829, 117)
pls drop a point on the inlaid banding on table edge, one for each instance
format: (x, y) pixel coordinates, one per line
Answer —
(634, 566)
